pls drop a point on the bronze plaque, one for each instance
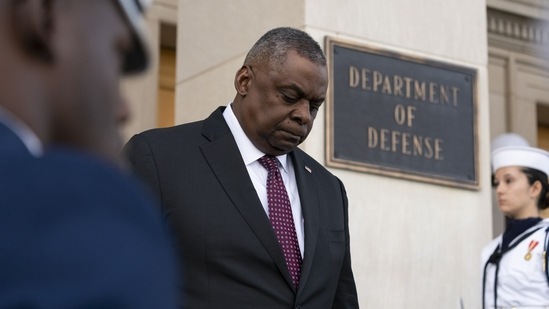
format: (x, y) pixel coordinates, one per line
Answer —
(402, 116)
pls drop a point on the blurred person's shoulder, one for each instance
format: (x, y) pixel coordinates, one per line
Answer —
(93, 180)
(67, 181)
(73, 212)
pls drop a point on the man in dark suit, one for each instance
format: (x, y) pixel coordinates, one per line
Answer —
(213, 179)
(75, 231)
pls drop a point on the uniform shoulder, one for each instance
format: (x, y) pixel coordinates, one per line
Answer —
(85, 182)
(489, 248)
(94, 221)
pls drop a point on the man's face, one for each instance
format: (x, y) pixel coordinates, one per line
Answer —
(281, 103)
(92, 37)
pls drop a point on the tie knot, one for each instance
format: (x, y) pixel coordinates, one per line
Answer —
(269, 162)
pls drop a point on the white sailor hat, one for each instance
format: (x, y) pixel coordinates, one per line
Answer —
(137, 59)
(522, 156)
(508, 139)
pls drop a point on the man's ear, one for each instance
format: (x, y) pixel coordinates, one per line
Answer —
(32, 26)
(243, 79)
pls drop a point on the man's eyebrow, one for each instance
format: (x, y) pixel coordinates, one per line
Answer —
(296, 88)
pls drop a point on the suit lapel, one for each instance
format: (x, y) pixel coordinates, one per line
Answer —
(226, 162)
(309, 206)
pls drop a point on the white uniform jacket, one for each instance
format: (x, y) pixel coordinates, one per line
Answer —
(522, 280)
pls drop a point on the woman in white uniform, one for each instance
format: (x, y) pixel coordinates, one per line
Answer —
(515, 263)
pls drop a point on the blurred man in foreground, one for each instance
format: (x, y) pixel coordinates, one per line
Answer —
(75, 232)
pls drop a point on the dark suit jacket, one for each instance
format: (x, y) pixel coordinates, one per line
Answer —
(231, 256)
(75, 233)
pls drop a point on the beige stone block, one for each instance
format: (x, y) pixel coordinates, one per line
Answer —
(497, 71)
(498, 114)
(452, 29)
(199, 96)
(530, 8)
(214, 32)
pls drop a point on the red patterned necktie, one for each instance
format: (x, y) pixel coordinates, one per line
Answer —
(280, 215)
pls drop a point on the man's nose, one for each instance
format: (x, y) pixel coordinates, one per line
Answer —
(302, 113)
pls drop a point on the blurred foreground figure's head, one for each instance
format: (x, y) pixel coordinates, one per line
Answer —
(60, 65)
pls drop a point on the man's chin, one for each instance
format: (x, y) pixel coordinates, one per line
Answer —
(283, 148)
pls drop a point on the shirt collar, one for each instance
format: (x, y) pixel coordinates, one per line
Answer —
(23, 132)
(249, 152)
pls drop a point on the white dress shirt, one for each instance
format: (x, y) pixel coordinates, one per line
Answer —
(25, 134)
(258, 174)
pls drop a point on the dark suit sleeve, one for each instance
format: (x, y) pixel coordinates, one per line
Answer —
(138, 155)
(346, 294)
